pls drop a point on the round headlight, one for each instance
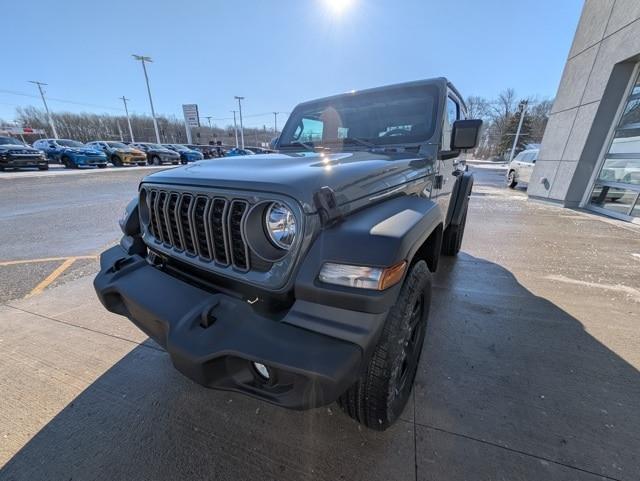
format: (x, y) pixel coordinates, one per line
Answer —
(280, 224)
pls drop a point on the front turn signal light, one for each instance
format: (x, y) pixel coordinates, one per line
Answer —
(362, 277)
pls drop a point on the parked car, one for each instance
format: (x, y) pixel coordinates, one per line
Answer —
(307, 281)
(209, 151)
(71, 153)
(238, 151)
(156, 153)
(14, 154)
(521, 167)
(120, 154)
(259, 150)
(186, 154)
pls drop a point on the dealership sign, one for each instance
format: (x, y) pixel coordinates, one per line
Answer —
(191, 117)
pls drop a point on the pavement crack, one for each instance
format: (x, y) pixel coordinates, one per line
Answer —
(70, 324)
(517, 451)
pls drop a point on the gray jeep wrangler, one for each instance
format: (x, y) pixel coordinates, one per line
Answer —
(304, 277)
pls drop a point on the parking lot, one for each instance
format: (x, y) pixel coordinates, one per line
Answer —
(529, 369)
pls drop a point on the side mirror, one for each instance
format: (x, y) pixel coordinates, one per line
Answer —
(465, 134)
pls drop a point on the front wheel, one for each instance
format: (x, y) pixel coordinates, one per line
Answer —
(68, 164)
(511, 179)
(155, 160)
(116, 161)
(379, 396)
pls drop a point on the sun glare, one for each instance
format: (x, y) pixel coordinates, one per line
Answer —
(338, 7)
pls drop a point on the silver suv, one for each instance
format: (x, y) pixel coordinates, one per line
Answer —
(521, 167)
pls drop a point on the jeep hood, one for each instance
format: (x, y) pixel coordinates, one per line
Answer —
(351, 175)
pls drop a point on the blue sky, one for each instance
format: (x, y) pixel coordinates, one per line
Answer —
(276, 53)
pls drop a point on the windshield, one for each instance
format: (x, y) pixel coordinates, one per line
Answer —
(154, 146)
(69, 143)
(117, 145)
(10, 141)
(388, 116)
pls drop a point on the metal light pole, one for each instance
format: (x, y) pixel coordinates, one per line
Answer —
(209, 120)
(523, 110)
(126, 110)
(235, 127)
(144, 59)
(275, 123)
(240, 99)
(46, 107)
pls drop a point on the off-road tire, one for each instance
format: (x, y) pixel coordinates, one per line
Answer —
(382, 391)
(511, 179)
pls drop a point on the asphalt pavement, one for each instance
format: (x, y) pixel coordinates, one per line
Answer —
(529, 369)
(48, 217)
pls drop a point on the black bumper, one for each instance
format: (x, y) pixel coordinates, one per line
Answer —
(308, 368)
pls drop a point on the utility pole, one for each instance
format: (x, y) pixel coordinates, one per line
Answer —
(126, 110)
(120, 131)
(275, 123)
(209, 120)
(46, 107)
(240, 99)
(523, 111)
(235, 127)
(144, 59)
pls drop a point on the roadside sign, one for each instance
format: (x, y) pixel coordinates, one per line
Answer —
(191, 117)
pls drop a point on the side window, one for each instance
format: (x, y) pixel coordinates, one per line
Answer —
(520, 157)
(453, 111)
(453, 114)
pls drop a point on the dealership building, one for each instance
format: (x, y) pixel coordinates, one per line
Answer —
(590, 153)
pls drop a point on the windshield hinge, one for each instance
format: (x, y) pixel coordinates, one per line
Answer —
(327, 205)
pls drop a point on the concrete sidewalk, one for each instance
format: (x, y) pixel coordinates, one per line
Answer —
(530, 371)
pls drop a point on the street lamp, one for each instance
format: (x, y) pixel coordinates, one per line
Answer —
(126, 111)
(523, 110)
(46, 107)
(235, 127)
(240, 99)
(144, 59)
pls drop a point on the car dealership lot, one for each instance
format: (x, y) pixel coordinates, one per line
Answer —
(530, 367)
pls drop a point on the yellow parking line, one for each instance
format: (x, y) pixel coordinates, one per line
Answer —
(52, 277)
(44, 259)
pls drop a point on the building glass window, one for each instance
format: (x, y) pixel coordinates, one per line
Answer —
(617, 187)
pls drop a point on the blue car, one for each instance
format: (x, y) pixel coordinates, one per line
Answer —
(238, 151)
(71, 153)
(186, 154)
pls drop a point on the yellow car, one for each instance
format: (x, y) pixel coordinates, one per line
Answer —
(120, 154)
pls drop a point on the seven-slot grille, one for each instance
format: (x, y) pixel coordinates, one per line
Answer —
(207, 227)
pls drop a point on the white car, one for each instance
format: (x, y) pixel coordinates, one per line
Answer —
(521, 167)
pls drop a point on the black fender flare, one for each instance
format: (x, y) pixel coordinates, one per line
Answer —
(379, 236)
(459, 198)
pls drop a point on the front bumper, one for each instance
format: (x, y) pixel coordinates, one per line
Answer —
(14, 161)
(212, 338)
(81, 159)
(134, 159)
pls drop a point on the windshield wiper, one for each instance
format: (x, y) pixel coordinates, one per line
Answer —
(296, 143)
(352, 140)
(358, 140)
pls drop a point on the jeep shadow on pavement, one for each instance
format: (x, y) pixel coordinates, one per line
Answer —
(304, 277)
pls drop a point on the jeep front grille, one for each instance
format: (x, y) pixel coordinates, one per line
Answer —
(209, 228)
